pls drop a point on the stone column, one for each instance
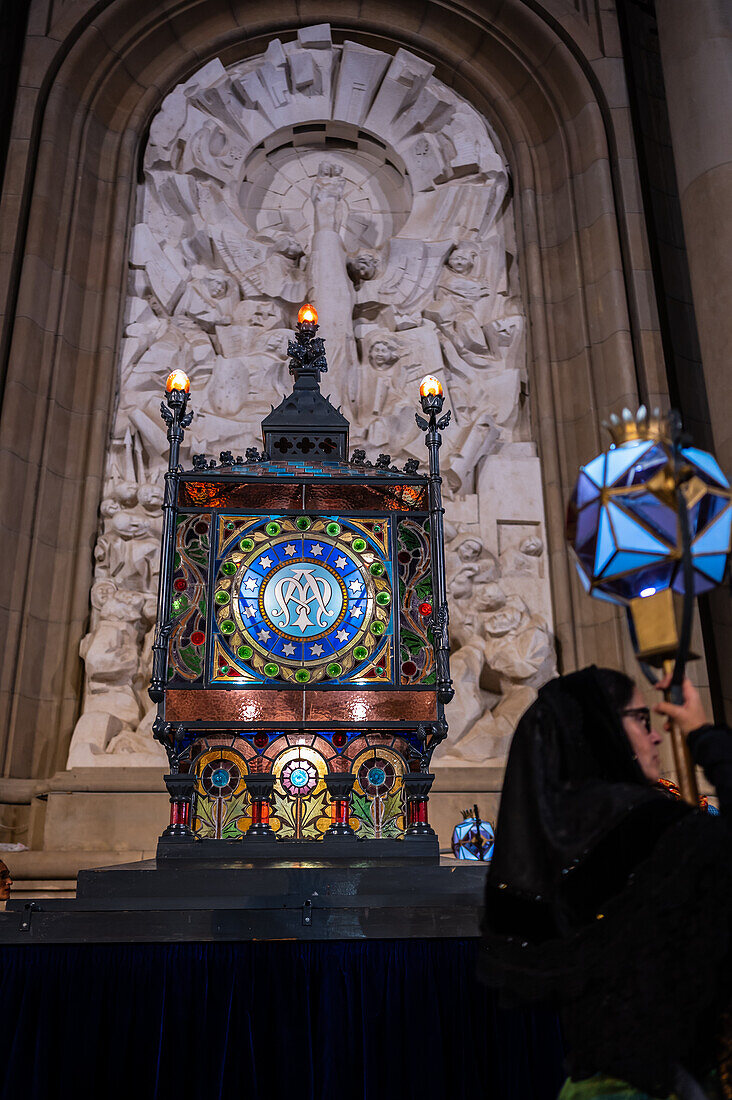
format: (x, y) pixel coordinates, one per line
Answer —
(696, 52)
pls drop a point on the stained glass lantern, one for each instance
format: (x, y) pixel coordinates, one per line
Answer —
(299, 669)
(473, 838)
(650, 522)
(623, 520)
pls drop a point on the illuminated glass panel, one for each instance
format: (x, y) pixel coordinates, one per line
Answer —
(187, 646)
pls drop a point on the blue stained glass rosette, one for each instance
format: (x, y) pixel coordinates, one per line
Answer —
(623, 518)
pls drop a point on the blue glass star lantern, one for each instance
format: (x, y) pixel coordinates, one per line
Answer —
(623, 519)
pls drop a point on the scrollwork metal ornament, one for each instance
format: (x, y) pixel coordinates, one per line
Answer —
(174, 412)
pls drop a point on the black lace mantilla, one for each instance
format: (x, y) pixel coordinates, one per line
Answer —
(643, 985)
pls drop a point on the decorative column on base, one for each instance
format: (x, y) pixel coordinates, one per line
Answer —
(181, 787)
(417, 786)
(339, 787)
(260, 786)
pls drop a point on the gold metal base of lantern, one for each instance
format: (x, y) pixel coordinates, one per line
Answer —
(656, 622)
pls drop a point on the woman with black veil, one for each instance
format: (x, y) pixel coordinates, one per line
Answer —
(610, 896)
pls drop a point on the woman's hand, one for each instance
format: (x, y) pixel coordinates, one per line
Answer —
(690, 714)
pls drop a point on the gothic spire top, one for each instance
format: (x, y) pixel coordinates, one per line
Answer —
(305, 424)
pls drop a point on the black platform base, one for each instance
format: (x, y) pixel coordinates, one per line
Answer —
(422, 848)
(200, 900)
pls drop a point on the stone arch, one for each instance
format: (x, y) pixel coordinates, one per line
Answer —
(113, 69)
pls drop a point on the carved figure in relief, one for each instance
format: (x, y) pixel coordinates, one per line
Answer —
(209, 298)
(412, 272)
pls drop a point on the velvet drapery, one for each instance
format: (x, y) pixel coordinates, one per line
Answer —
(316, 1020)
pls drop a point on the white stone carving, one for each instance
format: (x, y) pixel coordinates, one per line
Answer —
(355, 179)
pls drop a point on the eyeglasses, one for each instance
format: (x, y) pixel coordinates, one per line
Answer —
(643, 714)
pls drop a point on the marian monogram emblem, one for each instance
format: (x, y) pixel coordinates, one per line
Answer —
(302, 600)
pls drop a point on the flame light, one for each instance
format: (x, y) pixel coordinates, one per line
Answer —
(308, 315)
(430, 387)
(178, 380)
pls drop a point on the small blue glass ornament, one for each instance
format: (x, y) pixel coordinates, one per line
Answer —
(473, 838)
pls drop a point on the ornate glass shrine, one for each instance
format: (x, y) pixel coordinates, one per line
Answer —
(301, 657)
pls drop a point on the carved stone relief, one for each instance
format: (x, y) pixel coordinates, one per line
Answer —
(354, 179)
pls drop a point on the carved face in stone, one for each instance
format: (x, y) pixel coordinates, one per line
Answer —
(503, 621)
(382, 354)
(290, 247)
(329, 168)
(532, 546)
(470, 549)
(217, 286)
(116, 603)
(150, 497)
(125, 492)
(363, 267)
(462, 260)
(122, 522)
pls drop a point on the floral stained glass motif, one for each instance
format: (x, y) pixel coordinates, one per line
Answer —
(416, 656)
(302, 600)
(378, 794)
(300, 803)
(188, 601)
(222, 806)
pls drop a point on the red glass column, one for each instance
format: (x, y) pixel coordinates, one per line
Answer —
(340, 785)
(181, 787)
(260, 786)
(417, 786)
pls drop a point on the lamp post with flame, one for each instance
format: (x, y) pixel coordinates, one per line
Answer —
(173, 410)
(650, 522)
(432, 399)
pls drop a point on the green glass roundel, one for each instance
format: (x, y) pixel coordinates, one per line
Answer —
(377, 628)
(360, 653)
(302, 676)
(333, 529)
(228, 627)
(273, 528)
(246, 544)
(380, 670)
(334, 669)
(377, 528)
(245, 652)
(221, 596)
(271, 669)
(383, 599)
(224, 670)
(302, 523)
(229, 526)
(228, 568)
(376, 568)
(359, 545)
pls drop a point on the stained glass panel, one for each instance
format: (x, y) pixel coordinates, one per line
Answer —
(417, 660)
(302, 600)
(222, 806)
(378, 794)
(187, 645)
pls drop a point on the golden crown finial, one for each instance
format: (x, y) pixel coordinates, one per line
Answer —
(641, 425)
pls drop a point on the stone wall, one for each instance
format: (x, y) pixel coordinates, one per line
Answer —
(355, 179)
(548, 79)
